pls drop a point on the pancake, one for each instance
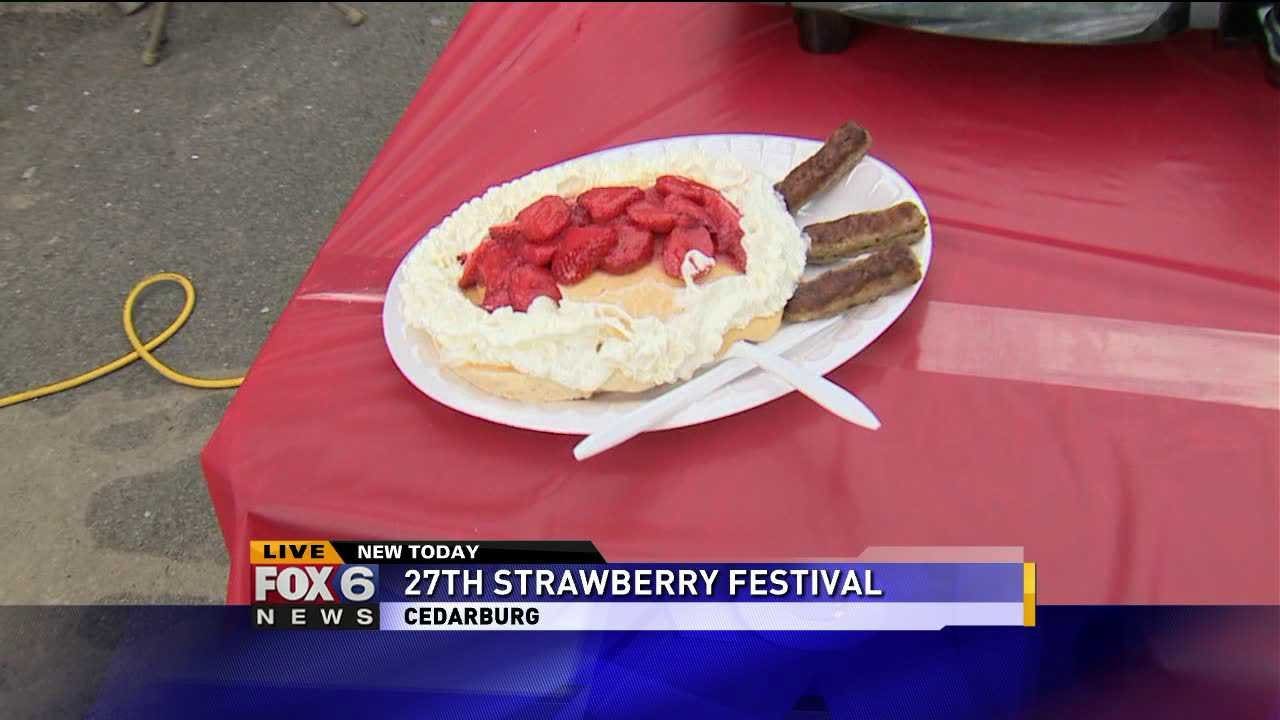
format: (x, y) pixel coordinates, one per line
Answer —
(648, 292)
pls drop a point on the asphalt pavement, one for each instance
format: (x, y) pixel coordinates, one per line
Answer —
(228, 161)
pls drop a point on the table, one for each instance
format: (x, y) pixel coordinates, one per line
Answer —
(1090, 370)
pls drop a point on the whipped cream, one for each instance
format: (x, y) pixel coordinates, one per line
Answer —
(694, 262)
(582, 344)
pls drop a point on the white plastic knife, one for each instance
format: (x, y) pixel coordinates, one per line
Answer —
(736, 363)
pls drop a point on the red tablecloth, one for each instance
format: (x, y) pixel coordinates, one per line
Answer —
(1090, 370)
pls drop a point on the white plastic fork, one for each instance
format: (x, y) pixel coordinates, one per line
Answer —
(740, 359)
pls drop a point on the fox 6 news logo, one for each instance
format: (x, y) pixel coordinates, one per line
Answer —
(314, 583)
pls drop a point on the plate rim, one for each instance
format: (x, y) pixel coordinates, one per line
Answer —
(825, 366)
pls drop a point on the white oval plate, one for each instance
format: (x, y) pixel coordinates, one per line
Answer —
(872, 185)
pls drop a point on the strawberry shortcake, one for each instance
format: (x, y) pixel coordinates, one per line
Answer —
(602, 274)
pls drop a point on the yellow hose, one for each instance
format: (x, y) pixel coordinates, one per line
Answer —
(139, 349)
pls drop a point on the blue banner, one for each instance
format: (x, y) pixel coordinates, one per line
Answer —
(736, 582)
(1079, 662)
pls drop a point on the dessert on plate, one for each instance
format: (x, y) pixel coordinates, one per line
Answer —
(596, 276)
(625, 274)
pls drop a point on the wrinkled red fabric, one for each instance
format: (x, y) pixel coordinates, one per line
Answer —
(1084, 373)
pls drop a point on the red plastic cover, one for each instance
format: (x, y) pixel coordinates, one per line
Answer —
(1090, 370)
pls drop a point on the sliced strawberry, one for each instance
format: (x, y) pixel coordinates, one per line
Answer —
(651, 217)
(581, 251)
(536, 254)
(496, 264)
(675, 185)
(542, 221)
(688, 213)
(633, 251)
(471, 265)
(726, 228)
(495, 298)
(653, 196)
(726, 236)
(607, 203)
(578, 216)
(736, 255)
(720, 210)
(679, 243)
(529, 282)
(509, 233)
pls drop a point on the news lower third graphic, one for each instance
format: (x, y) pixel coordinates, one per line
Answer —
(568, 585)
